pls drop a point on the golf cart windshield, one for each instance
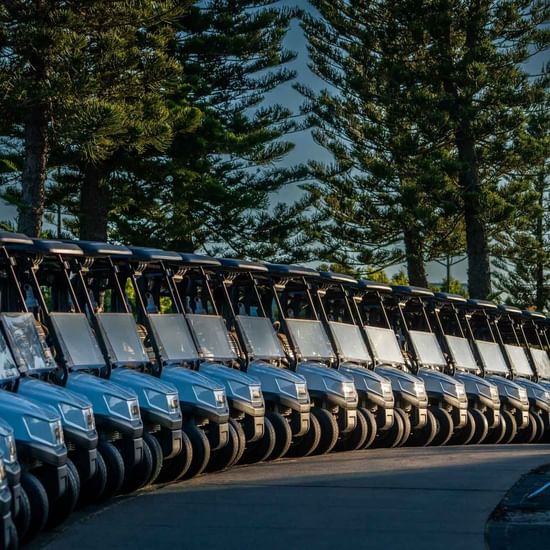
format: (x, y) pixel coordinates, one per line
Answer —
(173, 337)
(121, 337)
(349, 342)
(8, 367)
(27, 349)
(519, 360)
(260, 337)
(461, 352)
(384, 345)
(310, 338)
(427, 348)
(542, 362)
(77, 341)
(491, 356)
(211, 336)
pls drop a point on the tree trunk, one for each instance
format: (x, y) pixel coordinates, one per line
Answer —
(539, 262)
(416, 270)
(33, 176)
(479, 269)
(95, 202)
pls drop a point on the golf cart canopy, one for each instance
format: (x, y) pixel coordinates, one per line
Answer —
(338, 278)
(283, 270)
(533, 314)
(145, 254)
(367, 284)
(412, 291)
(189, 259)
(448, 297)
(7, 237)
(46, 246)
(481, 304)
(96, 248)
(235, 264)
(513, 310)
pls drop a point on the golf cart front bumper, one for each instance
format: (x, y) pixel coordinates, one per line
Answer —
(483, 394)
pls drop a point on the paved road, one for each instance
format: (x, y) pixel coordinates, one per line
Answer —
(407, 499)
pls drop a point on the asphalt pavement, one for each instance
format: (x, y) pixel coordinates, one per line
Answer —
(406, 499)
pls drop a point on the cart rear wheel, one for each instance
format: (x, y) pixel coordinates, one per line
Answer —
(62, 507)
(329, 431)
(511, 427)
(445, 427)
(392, 437)
(464, 435)
(39, 505)
(307, 443)
(92, 489)
(283, 435)
(357, 437)
(482, 427)
(422, 437)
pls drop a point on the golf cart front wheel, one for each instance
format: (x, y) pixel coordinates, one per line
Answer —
(529, 433)
(92, 489)
(357, 437)
(260, 450)
(329, 431)
(223, 458)
(283, 435)
(497, 433)
(391, 438)
(307, 443)
(406, 427)
(39, 505)
(540, 428)
(481, 427)
(372, 427)
(139, 475)
(13, 543)
(23, 518)
(63, 506)
(115, 469)
(445, 427)
(422, 437)
(511, 427)
(178, 466)
(464, 435)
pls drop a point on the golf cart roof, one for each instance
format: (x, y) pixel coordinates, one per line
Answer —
(97, 248)
(533, 314)
(412, 290)
(481, 304)
(7, 237)
(449, 297)
(510, 309)
(284, 270)
(235, 264)
(147, 254)
(367, 284)
(186, 258)
(48, 246)
(335, 277)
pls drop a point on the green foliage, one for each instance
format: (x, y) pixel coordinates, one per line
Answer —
(399, 278)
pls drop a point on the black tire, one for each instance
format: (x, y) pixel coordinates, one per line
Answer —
(115, 469)
(283, 435)
(445, 427)
(242, 440)
(464, 435)
(422, 437)
(13, 543)
(372, 427)
(511, 427)
(329, 431)
(62, 507)
(258, 451)
(407, 428)
(39, 505)
(307, 443)
(527, 434)
(179, 466)
(223, 458)
(200, 451)
(496, 434)
(23, 518)
(540, 428)
(139, 475)
(481, 427)
(356, 438)
(92, 489)
(158, 456)
(391, 438)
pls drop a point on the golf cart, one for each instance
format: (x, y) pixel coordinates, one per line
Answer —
(483, 398)
(335, 295)
(414, 424)
(262, 356)
(42, 273)
(478, 318)
(286, 295)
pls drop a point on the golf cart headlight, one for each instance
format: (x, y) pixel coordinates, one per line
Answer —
(77, 417)
(349, 391)
(493, 390)
(460, 390)
(419, 388)
(124, 408)
(44, 431)
(522, 394)
(2, 470)
(219, 396)
(11, 454)
(89, 418)
(173, 402)
(386, 388)
(301, 391)
(58, 432)
(255, 393)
